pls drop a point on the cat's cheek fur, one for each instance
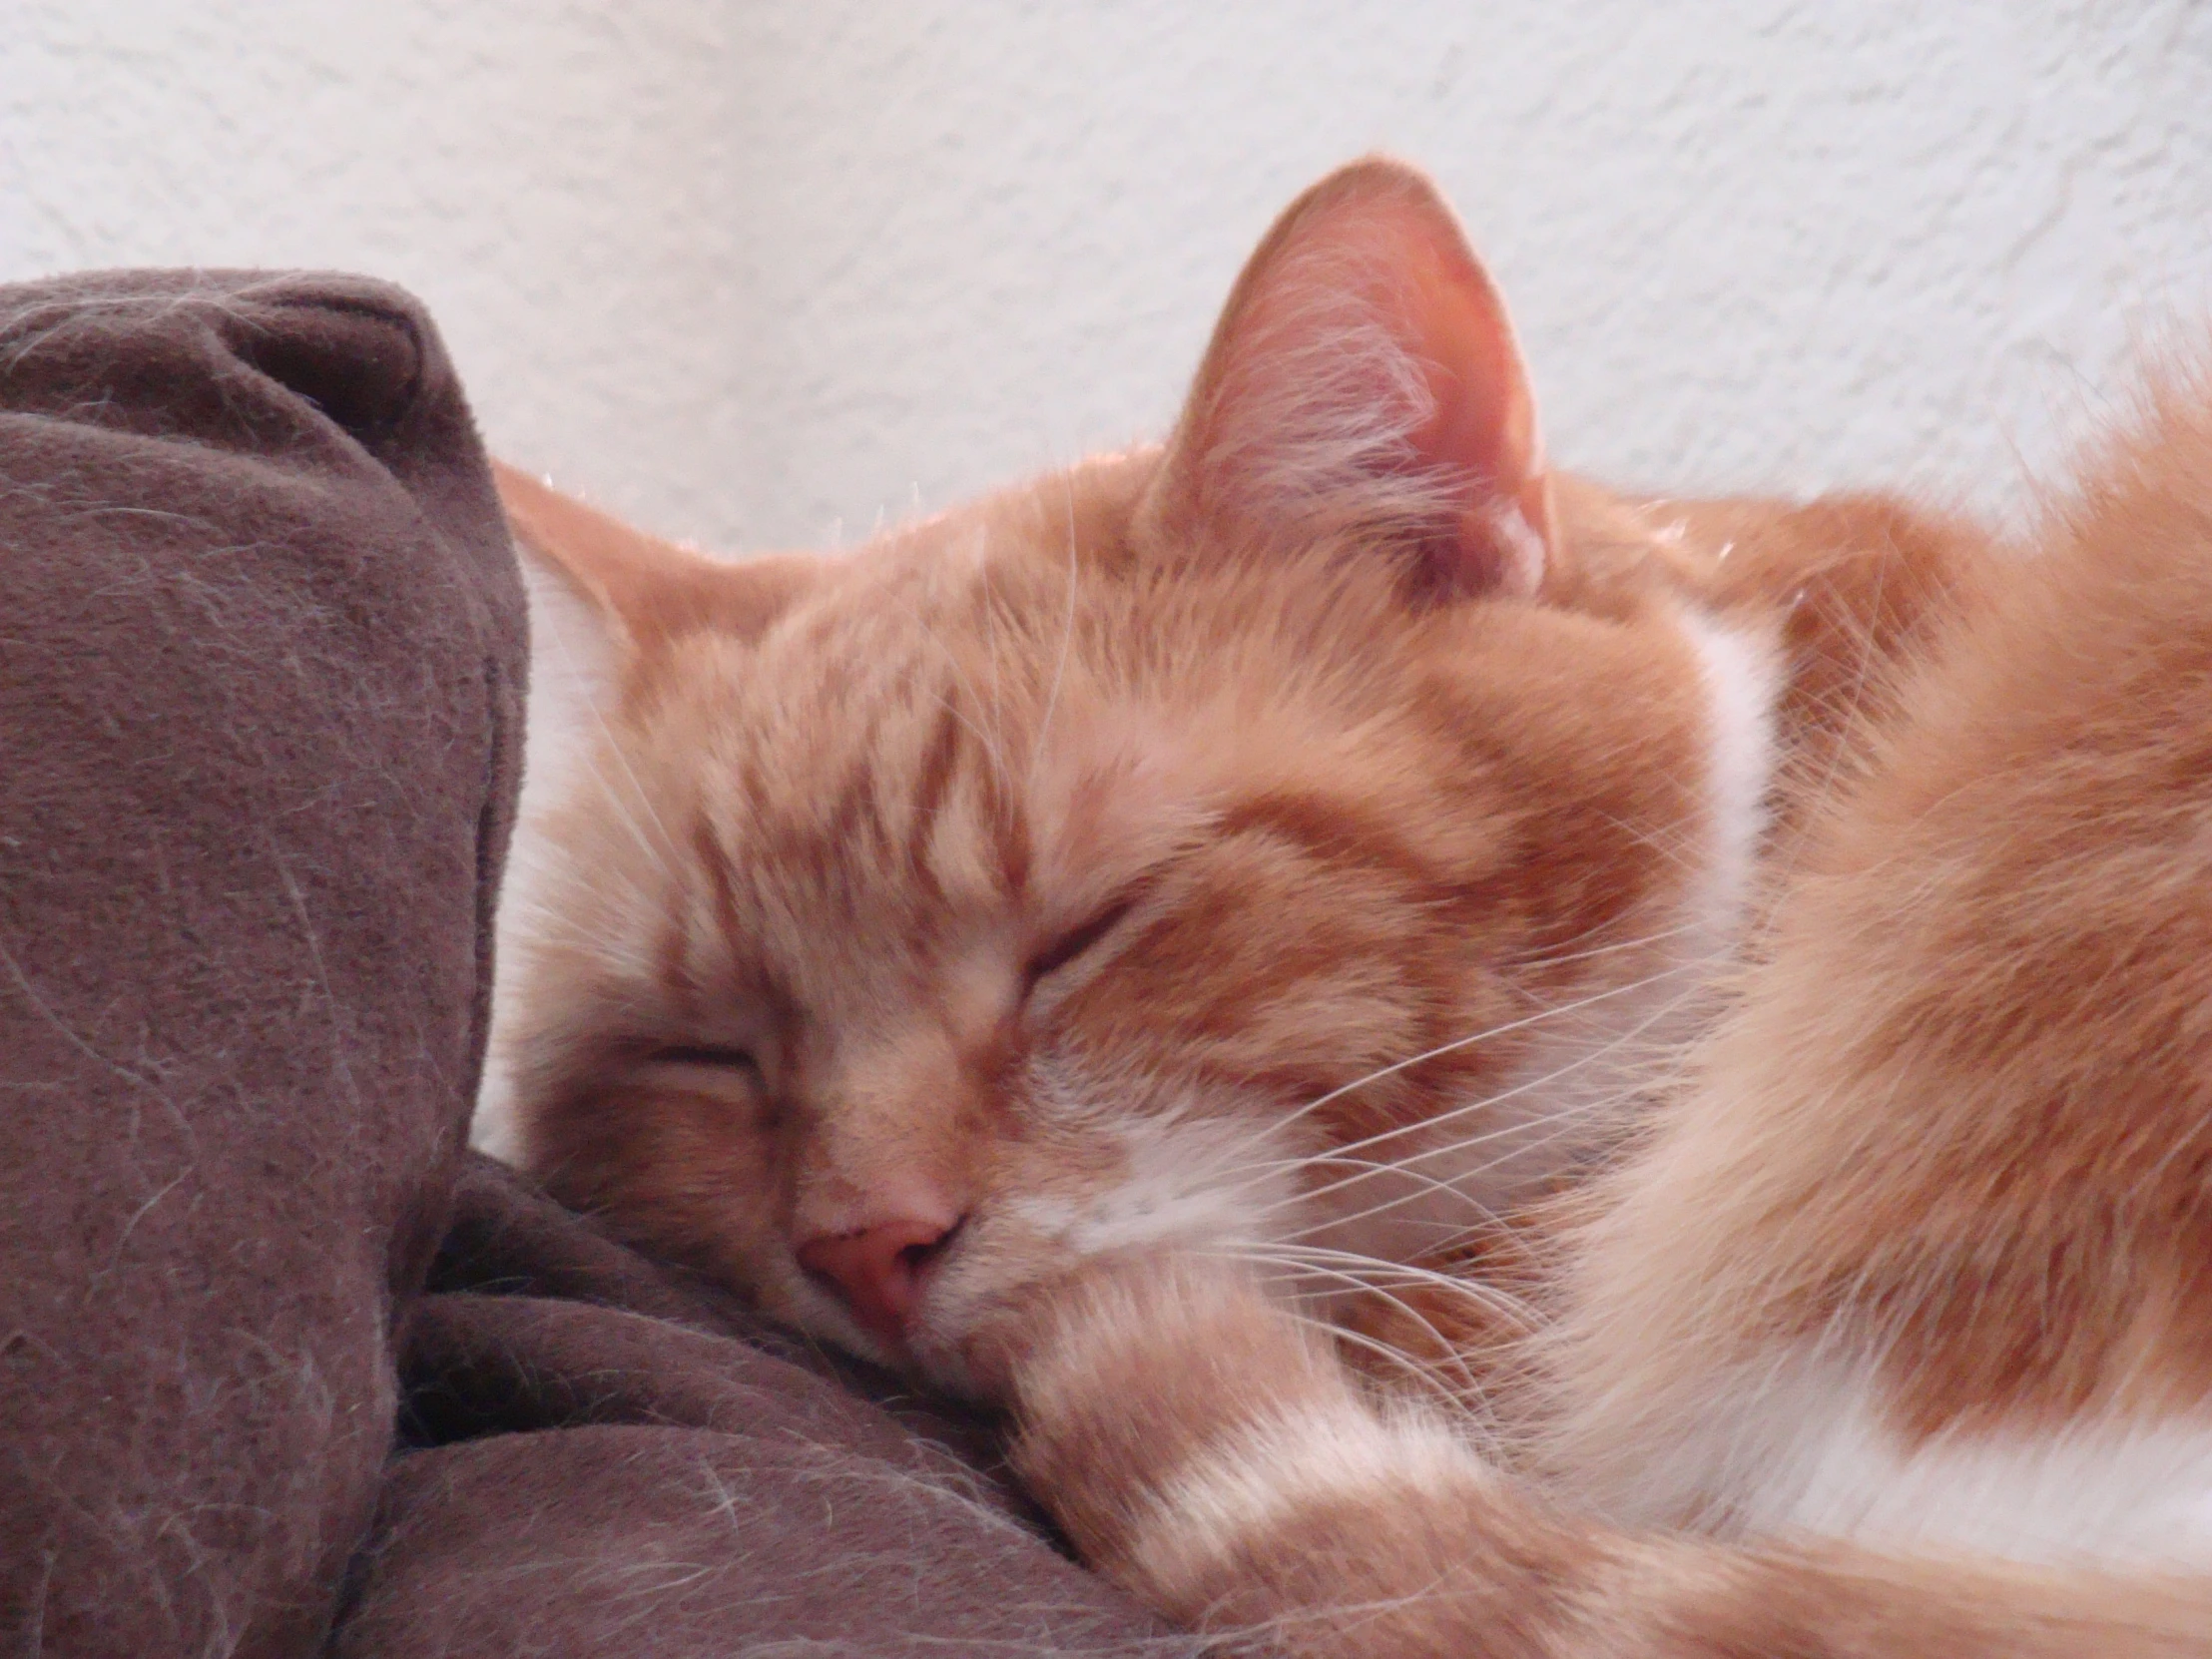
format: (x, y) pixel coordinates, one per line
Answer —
(1566, 1094)
(1197, 1180)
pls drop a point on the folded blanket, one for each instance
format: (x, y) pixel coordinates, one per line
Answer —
(282, 1367)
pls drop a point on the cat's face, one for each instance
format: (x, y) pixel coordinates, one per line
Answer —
(1285, 842)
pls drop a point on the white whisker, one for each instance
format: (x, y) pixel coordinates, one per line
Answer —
(1488, 1102)
(1353, 1262)
(1494, 1033)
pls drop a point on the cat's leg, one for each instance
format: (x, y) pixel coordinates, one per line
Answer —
(1209, 1452)
(1201, 1446)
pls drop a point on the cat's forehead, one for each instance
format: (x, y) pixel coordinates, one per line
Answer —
(968, 598)
(1005, 711)
(864, 787)
(1006, 638)
(924, 766)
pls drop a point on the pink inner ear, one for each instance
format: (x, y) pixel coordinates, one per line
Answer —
(1366, 370)
(1483, 423)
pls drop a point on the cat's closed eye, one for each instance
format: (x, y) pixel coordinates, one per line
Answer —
(1074, 942)
(704, 1055)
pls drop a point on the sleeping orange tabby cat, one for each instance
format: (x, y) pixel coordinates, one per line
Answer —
(1131, 945)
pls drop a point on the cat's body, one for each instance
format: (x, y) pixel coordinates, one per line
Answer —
(1029, 948)
(1915, 1261)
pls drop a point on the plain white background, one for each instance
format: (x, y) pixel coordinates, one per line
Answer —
(760, 273)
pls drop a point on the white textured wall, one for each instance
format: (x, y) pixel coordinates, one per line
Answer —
(758, 270)
(553, 176)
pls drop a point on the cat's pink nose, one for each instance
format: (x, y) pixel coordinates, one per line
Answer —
(878, 1269)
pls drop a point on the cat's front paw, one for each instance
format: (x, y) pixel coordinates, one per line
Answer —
(1127, 1366)
(1032, 1325)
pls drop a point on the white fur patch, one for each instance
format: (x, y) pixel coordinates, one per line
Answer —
(495, 1130)
(1806, 1448)
(1744, 681)
(573, 670)
(2117, 1495)
(1284, 1466)
(1195, 1180)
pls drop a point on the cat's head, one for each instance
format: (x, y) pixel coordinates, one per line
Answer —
(1286, 840)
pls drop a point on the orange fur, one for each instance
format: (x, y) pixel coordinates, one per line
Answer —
(1077, 944)
(1987, 1165)
(1382, 750)
(1950, 1138)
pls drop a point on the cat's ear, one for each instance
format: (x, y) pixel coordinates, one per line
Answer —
(641, 590)
(1363, 382)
